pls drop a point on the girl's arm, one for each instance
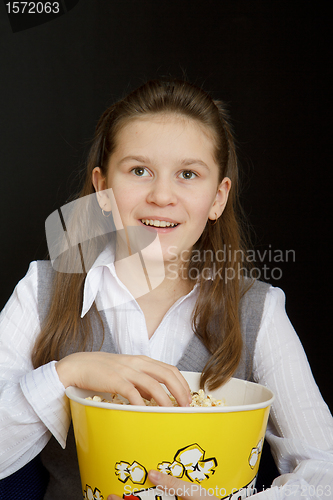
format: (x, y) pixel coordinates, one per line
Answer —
(300, 428)
(32, 402)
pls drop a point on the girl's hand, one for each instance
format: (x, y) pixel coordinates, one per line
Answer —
(174, 486)
(133, 377)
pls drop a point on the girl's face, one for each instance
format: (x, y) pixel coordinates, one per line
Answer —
(163, 174)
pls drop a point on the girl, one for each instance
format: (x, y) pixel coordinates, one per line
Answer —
(161, 187)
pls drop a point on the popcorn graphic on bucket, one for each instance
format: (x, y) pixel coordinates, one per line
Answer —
(90, 494)
(136, 472)
(190, 461)
(217, 448)
(254, 455)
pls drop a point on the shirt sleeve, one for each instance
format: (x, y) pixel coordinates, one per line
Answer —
(33, 404)
(300, 427)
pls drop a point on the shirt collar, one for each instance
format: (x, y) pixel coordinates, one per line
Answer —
(94, 276)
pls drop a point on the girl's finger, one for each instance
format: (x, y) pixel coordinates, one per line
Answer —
(170, 377)
(176, 373)
(177, 487)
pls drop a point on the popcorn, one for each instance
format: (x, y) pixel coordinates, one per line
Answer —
(115, 398)
(199, 399)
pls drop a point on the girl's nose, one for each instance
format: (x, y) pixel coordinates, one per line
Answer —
(162, 193)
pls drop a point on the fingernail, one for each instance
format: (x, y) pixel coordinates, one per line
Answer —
(154, 475)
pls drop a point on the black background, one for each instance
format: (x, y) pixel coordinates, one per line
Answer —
(269, 60)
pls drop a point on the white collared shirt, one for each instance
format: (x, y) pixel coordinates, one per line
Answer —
(300, 428)
(126, 319)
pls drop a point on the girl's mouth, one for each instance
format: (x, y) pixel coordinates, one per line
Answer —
(158, 223)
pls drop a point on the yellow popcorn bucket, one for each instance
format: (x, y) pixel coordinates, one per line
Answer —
(217, 448)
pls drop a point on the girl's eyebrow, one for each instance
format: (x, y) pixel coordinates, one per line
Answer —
(184, 163)
(140, 159)
(192, 161)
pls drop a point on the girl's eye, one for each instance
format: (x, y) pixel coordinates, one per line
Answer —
(140, 172)
(187, 174)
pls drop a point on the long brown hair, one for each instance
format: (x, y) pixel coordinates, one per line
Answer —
(216, 315)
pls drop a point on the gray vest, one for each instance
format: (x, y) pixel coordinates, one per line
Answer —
(62, 464)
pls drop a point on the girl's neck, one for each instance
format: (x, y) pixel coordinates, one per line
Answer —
(144, 271)
(141, 280)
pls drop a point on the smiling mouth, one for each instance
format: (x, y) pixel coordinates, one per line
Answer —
(158, 223)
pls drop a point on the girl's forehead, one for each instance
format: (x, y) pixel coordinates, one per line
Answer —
(164, 127)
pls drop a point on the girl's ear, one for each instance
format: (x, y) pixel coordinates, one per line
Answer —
(99, 183)
(221, 199)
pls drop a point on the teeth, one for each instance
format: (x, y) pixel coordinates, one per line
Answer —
(158, 223)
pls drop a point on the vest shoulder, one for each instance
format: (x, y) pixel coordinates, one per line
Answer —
(44, 264)
(252, 288)
(45, 275)
(44, 269)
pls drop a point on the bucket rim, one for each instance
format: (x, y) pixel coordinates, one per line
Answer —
(78, 395)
